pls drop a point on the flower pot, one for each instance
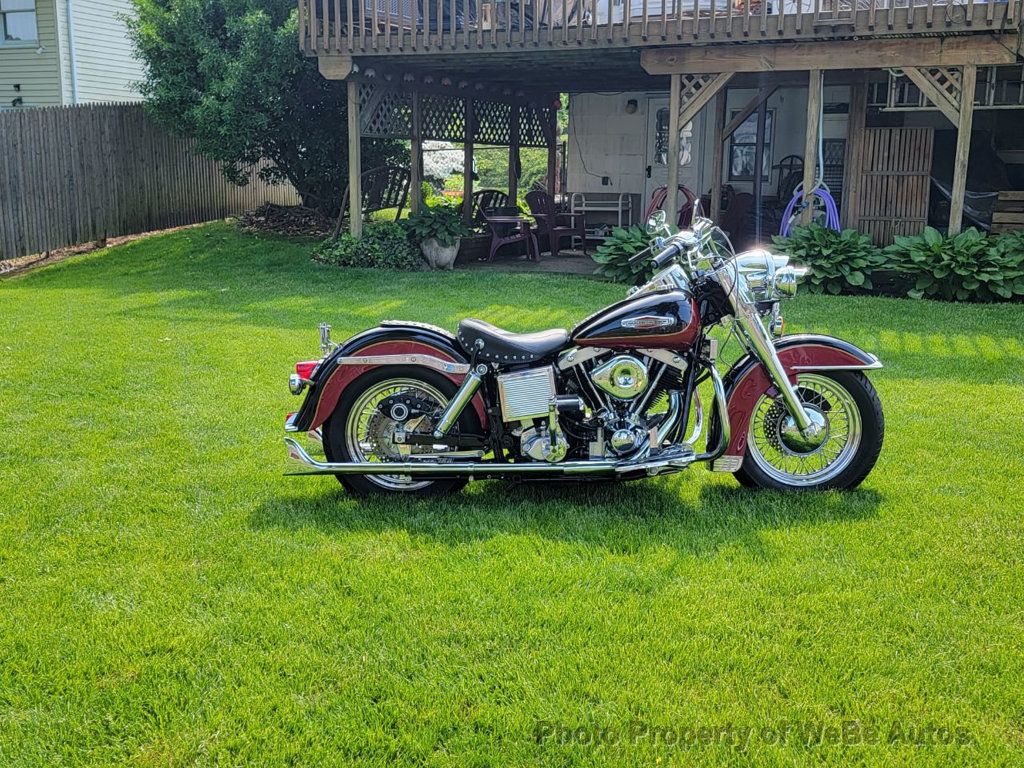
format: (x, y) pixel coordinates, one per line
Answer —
(440, 256)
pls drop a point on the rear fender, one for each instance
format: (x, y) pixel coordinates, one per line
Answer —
(748, 380)
(408, 341)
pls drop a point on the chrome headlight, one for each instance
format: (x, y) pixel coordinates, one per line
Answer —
(768, 276)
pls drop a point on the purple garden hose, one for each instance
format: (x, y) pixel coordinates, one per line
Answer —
(827, 201)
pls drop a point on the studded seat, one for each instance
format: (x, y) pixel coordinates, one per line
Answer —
(501, 346)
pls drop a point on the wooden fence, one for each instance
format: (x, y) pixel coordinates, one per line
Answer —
(72, 175)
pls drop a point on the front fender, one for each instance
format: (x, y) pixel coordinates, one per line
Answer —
(748, 380)
(336, 372)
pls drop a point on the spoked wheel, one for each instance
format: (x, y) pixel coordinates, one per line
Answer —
(846, 406)
(370, 413)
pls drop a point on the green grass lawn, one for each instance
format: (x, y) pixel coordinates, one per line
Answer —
(167, 597)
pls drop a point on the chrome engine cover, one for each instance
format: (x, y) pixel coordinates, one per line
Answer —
(624, 377)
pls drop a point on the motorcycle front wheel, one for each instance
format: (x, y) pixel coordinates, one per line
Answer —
(362, 428)
(847, 407)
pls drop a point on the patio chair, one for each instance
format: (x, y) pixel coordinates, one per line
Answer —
(487, 198)
(508, 226)
(657, 203)
(383, 188)
(554, 224)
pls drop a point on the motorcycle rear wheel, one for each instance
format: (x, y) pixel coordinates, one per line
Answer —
(346, 437)
(848, 406)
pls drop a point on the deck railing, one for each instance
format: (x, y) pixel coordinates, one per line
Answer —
(367, 27)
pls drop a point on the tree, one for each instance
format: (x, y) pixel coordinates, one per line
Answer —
(229, 74)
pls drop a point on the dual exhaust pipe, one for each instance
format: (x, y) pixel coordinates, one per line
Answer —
(671, 459)
(648, 463)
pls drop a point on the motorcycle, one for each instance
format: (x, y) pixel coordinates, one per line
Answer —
(409, 408)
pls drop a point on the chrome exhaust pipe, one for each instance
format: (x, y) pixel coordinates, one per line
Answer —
(671, 459)
(722, 411)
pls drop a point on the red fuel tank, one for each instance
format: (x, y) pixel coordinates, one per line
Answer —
(662, 320)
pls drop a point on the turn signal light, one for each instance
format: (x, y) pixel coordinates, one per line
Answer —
(305, 369)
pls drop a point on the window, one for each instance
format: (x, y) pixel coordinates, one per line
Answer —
(743, 148)
(661, 141)
(18, 21)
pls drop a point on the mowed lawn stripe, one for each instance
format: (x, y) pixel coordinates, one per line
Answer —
(167, 597)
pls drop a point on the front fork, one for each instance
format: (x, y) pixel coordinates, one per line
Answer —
(763, 348)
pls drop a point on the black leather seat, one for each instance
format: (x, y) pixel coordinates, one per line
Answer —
(500, 346)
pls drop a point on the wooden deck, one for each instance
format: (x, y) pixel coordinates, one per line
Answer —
(423, 27)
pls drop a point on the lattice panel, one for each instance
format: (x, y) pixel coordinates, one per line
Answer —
(387, 114)
(533, 126)
(691, 85)
(493, 122)
(444, 117)
(949, 80)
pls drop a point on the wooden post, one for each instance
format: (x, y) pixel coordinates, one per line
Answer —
(853, 162)
(717, 154)
(355, 163)
(553, 156)
(968, 82)
(762, 122)
(416, 155)
(674, 106)
(814, 85)
(513, 155)
(467, 163)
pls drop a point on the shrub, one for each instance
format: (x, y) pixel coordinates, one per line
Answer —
(966, 266)
(614, 253)
(441, 222)
(839, 262)
(384, 245)
(228, 74)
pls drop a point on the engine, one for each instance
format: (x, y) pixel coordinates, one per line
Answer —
(593, 407)
(623, 377)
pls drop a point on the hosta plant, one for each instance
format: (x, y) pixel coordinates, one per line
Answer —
(442, 223)
(967, 266)
(839, 262)
(614, 253)
(384, 245)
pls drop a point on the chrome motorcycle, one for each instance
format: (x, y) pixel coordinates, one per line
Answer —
(410, 408)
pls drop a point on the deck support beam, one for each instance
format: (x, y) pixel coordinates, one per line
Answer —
(979, 50)
(718, 155)
(968, 81)
(467, 164)
(416, 156)
(853, 163)
(552, 184)
(689, 95)
(355, 163)
(513, 155)
(672, 158)
(811, 139)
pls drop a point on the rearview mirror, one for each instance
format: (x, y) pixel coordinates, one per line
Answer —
(658, 223)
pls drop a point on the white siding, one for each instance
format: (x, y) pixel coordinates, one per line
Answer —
(605, 141)
(105, 63)
(33, 66)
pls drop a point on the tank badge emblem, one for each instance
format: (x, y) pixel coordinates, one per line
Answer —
(648, 322)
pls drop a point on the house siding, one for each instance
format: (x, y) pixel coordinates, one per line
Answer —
(105, 61)
(23, 64)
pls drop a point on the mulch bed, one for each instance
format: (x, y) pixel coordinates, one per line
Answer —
(293, 220)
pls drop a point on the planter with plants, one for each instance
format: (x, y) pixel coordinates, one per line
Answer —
(439, 231)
